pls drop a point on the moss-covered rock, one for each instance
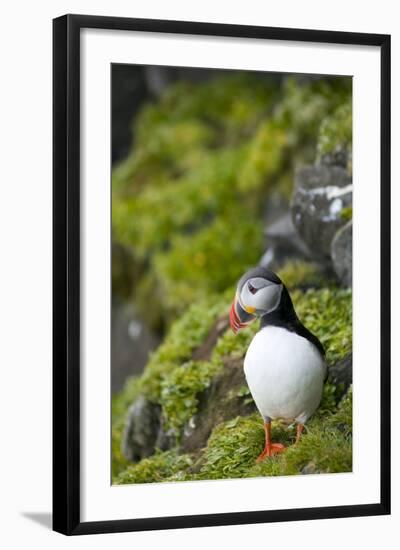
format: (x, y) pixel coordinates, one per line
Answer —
(160, 467)
(302, 275)
(186, 334)
(225, 396)
(142, 428)
(232, 449)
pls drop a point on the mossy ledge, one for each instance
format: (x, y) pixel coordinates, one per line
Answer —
(196, 379)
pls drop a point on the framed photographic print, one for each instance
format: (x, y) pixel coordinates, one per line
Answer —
(221, 274)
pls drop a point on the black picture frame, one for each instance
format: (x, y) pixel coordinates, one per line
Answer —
(66, 273)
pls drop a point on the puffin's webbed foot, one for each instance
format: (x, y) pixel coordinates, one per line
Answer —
(270, 448)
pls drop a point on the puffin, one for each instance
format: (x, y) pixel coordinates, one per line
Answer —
(284, 365)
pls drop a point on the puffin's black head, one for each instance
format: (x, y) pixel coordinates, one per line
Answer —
(259, 292)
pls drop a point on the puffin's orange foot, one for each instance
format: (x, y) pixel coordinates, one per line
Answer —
(270, 450)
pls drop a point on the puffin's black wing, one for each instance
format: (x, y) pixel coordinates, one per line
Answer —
(301, 330)
(292, 323)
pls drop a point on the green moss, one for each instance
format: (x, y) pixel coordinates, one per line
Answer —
(233, 447)
(184, 336)
(159, 467)
(182, 204)
(232, 346)
(189, 120)
(302, 274)
(327, 313)
(180, 390)
(329, 400)
(302, 107)
(343, 419)
(322, 450)
(221, 243)
(123, 399)
(244, 391)
(336, 130)
(265, 157)
(347, 213)
(326, 446)
(182, 385)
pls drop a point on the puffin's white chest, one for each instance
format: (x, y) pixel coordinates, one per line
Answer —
(285, 374)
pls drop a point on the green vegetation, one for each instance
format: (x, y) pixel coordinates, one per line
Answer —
(159, 467)
(347, 213)
(336, 130)
(180, 390)
(328, 314)
(185, 335)
(301, 274)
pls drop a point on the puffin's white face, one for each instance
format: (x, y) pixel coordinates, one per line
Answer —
(259, 292)
(259, 296)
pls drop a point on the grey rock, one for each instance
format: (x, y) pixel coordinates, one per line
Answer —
(320, 193)
(283, 243)
(221, 401)
(131, 342)
(341, 374)
(340, 156)
(310, 468)
(275, 206)
(342, 254)
(141, 429)
(158, 79)
(129, 92)
(166, 438)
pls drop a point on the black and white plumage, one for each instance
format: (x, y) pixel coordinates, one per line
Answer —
(285, 363)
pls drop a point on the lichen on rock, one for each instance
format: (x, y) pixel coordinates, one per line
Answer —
(320, 194)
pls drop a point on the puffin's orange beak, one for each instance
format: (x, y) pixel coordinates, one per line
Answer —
(233, 318)
(239, 317)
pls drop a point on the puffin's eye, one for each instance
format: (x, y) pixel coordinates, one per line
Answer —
(252, 289)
